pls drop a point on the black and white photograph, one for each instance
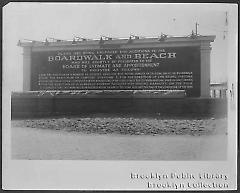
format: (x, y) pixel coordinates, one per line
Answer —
(119, 96)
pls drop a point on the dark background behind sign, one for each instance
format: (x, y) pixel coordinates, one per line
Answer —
(54, 77)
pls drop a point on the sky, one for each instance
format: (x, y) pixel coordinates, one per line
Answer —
(37, 21)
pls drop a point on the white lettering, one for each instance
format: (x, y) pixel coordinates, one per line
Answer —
(64, 58)
(57, 58)
(153, 56)
(50, 58)
(162, 55)
(138, 56)
(171, 55)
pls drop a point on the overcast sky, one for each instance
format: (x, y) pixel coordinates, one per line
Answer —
(36, 21)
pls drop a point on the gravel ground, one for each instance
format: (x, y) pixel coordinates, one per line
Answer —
(119, 138)
(130, 125)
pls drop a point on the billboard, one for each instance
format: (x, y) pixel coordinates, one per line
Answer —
(170, 68)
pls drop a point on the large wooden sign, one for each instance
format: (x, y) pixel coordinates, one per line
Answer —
(175, 68)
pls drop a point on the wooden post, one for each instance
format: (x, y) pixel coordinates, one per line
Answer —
(220, 93)
(214, 93)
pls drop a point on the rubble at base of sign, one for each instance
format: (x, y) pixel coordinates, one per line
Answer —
(130, 125)
(136, 93)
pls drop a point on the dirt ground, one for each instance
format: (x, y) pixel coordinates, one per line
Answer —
(35, 143)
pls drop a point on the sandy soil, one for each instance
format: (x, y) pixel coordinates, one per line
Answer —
(45, 144)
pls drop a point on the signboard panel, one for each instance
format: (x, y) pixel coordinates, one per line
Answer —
(175, 68)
